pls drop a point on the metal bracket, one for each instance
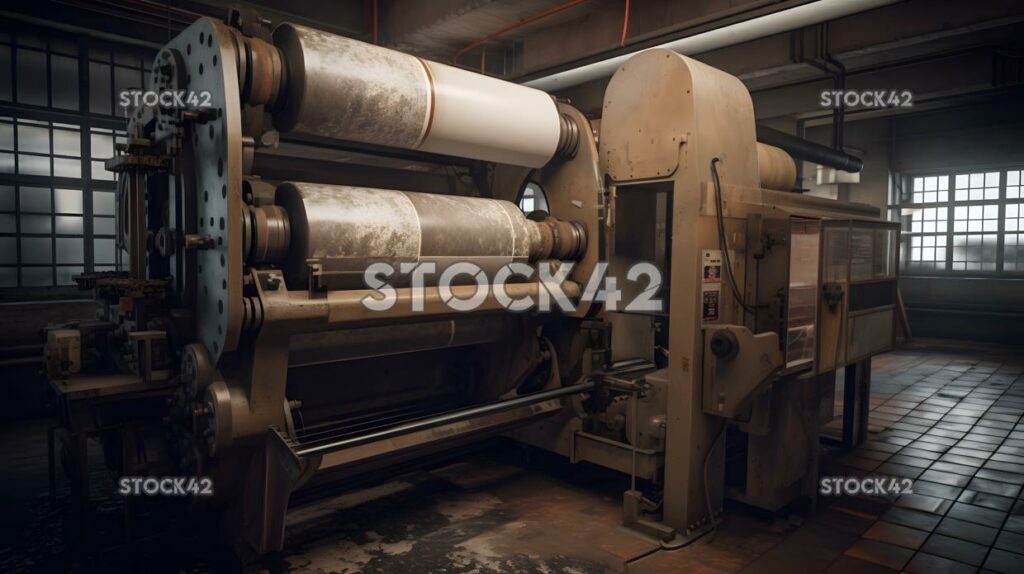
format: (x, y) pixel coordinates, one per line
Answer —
(737, 363)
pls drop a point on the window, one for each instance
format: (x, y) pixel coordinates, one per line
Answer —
(56, 198)
(977, 226)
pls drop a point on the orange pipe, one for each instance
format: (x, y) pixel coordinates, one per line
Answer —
(625, 26)
(519, 24)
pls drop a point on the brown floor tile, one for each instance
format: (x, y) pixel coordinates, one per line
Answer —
(888, 555)
(923, 503)
(961, 469)
(936, 475)
(986, 500)
(851, 565)
(994, 487)
(930, 564)
(1004, 562)
(976, 514)
(911, 518)
(969, 531)
(896, 534)
(1011, 541)
(955, 549)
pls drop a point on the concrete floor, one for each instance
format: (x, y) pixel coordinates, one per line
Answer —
(949, 419)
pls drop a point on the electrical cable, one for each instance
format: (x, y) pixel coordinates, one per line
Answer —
(727, 262)
(707, 490)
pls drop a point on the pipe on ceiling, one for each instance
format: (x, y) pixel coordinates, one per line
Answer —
(760, 27)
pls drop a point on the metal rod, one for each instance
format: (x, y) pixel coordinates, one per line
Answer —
(447, 418)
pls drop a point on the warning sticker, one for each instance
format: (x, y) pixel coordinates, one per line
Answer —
(711, 283)
(710, 306)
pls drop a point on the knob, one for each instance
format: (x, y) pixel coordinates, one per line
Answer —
(724, 345)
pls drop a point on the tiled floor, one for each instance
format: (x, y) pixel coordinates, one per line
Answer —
(952, 423)
(949, 420)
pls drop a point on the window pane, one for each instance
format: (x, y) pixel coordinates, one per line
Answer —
(8, 223)
(103, 226)
(8, 276)
(65, 275)
(5, 73)
(35, 199)
(67, 200)
(103, 251)
(63, 167)
(67, 142)
(31, 77)
(103, 202)
(64, 79)
(7, 136)
(69, 224)
(6, 198)
(36, 250)
(33, 164)
(37, 276)
(39, 224)
(102, 146)
(8, 250)
(70, 250)
(100, 98)
(33, 138)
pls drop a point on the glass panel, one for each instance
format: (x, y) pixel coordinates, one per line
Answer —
(36, 199)
(33, 138)
(68, 200)
(103, 225)
(8, 250)
(36, 250)
(64, 79)
(6, 198)
(8, 276)
(39, 224)
(70, 250)
(885, 253)
(33, 164)
(837, 254)
(102, 146)
(7, 136)
(803, 292)
(5, 74)
(1014, 178)
(99, 172)
(65, 275)
(103, 202)
(974, 252)
(928, 252)
(125, 79)
(929, 220)
(63, 167)
(67, 142)
(6, 162)
(69, 224)
(100, 98)
(37, 276)
(8, 224)
(862, 254)
(1013, 252)
(977, 186)
(931, 189)
(103, 251)
(31, 77)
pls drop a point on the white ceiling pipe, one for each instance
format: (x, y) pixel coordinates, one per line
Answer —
(767, 25)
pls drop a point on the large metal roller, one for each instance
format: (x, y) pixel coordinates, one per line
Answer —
(344, 89)
(345, 229)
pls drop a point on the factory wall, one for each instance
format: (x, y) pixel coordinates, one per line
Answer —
(979, 135)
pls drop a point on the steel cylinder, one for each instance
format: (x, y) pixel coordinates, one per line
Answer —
(338, 231)
(344, 89)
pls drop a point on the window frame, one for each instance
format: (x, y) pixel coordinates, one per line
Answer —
(901, 208)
